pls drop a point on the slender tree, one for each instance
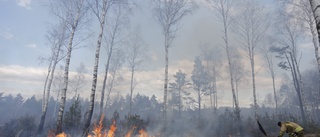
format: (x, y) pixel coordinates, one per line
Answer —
(305, 16)
(100, 9)
(168, 14)
(225, 11)
(288, 35)
(316, 13)
(57, 36)
(238, 71)
(212, 63)
(136, 54)
(200, 81)
(72, 12)
(115, 75)
(270, 65)
(117, 23)
(251, 25)
(57, 88)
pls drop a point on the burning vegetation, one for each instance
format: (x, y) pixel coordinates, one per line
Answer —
(99, 129)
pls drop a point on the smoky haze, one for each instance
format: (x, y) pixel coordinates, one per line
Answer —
(27, 49)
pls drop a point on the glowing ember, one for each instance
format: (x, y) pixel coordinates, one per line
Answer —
(142, 133)
(62, 135)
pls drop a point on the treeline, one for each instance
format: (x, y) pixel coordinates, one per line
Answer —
(20, 116)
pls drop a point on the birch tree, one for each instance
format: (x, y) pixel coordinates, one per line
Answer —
(57, 87)
(99, 9)
(288, 35)
(168, 14)
(238, 71)
(72, 12)
(225, 9)
(117, 24)
(305, 16)
(114, 74)
(270, 66)
(316, 13)
(136, 54)
(251, 25)
(57, 36)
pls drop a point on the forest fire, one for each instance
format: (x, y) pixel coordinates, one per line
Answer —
(112, 129)
(130, 132)
(98, 131)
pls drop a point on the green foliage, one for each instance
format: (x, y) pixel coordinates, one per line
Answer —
(133, 122)
(73, 115)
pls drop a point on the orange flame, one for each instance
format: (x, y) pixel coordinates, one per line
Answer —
(112, 129)
(97, 129)
(130, 132)
(143, 133)
(62, 135)
(52, 134)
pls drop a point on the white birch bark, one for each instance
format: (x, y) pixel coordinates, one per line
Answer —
(65, 80)
(168, 14)
(75, 13)
(113, 38)
(224, 8)
(101, 15)
(251, 25)
(60, 36)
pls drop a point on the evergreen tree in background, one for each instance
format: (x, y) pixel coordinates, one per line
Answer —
(73, 115)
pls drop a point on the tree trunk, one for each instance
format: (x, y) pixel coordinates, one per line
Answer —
(253, 84)
(296, 84)
(274, 92)
(215, 96)
(199, 103)
(40, 128)
(303, 98)
(315, 4)
(44, 111)
(105, 81)
(95, 76)
(211, 96)
(45, 84)
(237, 93)
(66, 74)
(180, 101)
(237, 110)
(166, 76)
(131, 89)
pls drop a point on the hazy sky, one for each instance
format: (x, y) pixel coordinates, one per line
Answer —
(24, 24)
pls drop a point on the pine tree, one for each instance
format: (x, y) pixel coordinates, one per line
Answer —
(73, 115)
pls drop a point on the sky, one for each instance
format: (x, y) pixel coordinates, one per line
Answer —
(24, 25)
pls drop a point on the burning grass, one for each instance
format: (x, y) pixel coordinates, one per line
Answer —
(99, 131)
